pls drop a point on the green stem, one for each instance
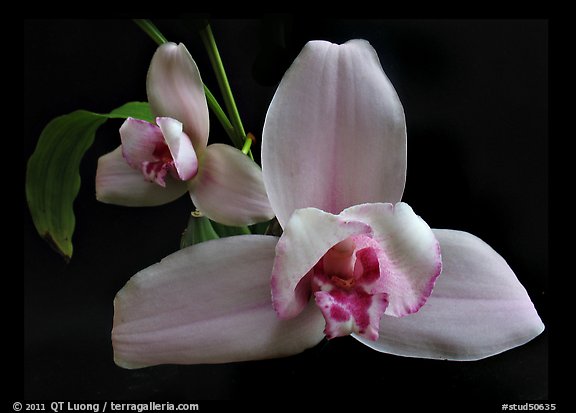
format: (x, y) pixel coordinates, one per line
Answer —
(210, 45)
(151, 30)
(247, 144)
(220, 115)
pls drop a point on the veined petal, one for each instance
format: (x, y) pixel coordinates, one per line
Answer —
(118, 183)
(139, 141)
(229, 188)
(309, 234)
(335, 133)
(180, 147)
(209, 303)
(478, 308)
(410, 259)
(175, 90)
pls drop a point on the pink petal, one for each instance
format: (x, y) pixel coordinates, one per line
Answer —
(478, 308)
(118, 183)
(335, 134)
(139, 141)
(209, 303)
(181, 148)
(229, 188)
(309, 234)
(175, 90)
(409, 256)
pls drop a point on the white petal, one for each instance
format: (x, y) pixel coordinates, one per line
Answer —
(335, 133)
(181, 148)
(229, 188)
(478, 308)
(175, 90)
(209, 303)
(410, 258)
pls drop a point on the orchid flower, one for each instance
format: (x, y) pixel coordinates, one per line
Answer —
(158, 163)
(352, 258)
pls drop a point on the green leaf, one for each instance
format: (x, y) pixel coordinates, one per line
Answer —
(52, 176)
(202, 229)
(199, 229)
(262, 227)
(227, 231)
(138, 110)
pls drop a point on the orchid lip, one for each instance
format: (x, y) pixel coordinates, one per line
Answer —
(343, 289)
(370, 260)
(158, 150)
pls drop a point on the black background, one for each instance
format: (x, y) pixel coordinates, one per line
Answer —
(475, 93)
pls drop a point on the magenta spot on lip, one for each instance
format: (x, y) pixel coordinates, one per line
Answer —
(162, 163)
(337, 313)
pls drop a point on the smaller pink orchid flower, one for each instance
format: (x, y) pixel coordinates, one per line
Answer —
(158, 163)
(352, 259)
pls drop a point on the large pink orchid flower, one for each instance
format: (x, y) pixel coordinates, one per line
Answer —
(158, 163)
(352, 259)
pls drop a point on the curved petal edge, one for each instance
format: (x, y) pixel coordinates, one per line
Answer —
(335, 132)
(229, 189)
(175, 90)
(478, 308)
(209, 303)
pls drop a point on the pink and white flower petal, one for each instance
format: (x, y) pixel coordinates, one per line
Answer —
(180, 146)
(307, 237)
(140, 142)
(175, 90)
(478, 308)
(119, 184)
(353, 311)
(335, 132)
(229, 188)
(209, 303)
(409, 254)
